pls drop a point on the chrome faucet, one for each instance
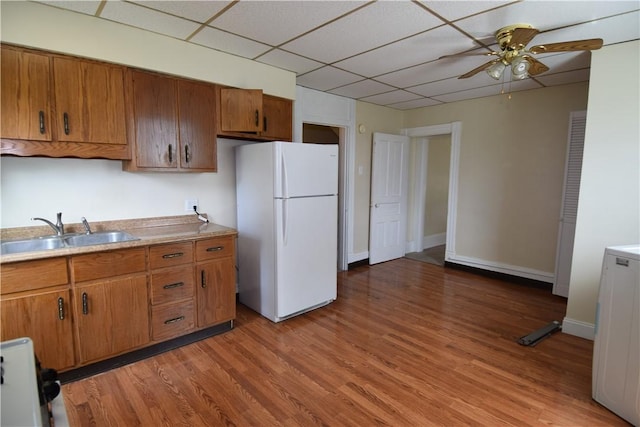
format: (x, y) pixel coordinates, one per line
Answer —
(87, 228)
(58, 227)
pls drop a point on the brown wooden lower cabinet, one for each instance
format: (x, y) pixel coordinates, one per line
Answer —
(216, 276)
(91, 307)
(36, 303)
(45, 317)
(111, 317)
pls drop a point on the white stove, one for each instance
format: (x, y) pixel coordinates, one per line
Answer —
(22, 393)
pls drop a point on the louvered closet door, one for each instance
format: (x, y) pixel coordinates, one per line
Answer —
(567, 228)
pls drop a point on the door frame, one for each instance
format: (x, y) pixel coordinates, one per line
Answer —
(454, 129)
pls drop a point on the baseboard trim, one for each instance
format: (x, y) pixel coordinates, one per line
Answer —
(143, 353)
(578, 328)
(355, 257)
(501, 276)
(509, 270)
(434, 240)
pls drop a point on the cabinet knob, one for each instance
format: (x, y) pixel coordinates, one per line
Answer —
(85, 303)
(61, 308)
(65, 118)
(41, 120)
(174, 320)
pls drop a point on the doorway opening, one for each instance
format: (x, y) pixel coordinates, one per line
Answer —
(430, 201)
(325, 134)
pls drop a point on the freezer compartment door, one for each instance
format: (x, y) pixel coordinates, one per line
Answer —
(305, 169)
(306, 253)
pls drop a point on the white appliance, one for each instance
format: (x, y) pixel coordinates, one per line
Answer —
(616, 350)
(287, 227)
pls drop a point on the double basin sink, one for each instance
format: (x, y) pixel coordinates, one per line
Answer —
(66, 241)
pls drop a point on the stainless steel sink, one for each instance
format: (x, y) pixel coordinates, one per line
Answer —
(69, 241)
(99, 238)
(31, 245)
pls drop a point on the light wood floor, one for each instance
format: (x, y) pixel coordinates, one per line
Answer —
(405, 344)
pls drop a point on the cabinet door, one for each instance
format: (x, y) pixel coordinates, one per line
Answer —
(111, 317)
(89, 101)
(197, 106)
(216, 292)
(240, 110)
(155, 118)
(25, 95)
(46, 319)
(277, 121)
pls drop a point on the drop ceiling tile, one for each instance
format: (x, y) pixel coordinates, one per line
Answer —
(565, 62)
(564, 78)
(362, 89)
(289, 61)
(89, 7)
(358, 31)
(432, 71)
(611, 30)
(453, 10)
(450, 85)
(392, 97)
(147, 19)
(542, 15)
(199, 11)
(229, 43)
(416, 103)
(275, 22)
(491, 90)
(412, 51)
(327, 78)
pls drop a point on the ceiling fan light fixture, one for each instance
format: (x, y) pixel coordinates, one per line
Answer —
(520, 68)
(495, 71)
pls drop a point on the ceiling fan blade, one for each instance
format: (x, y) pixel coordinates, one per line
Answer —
(470, 54)
(589, 44)
(535, 67)
(478, 69)
(522, 36)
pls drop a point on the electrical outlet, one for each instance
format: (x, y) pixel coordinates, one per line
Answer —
(189, 204)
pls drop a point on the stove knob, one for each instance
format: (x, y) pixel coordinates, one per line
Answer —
(51, 389)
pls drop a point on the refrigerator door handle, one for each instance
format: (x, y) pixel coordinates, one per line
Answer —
(285, 224)
(285, 180)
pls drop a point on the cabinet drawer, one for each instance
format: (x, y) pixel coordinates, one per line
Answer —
(108, 264)
(172, 285)
(171, 320)
(28, 275)
(219, 247)
(171, 254)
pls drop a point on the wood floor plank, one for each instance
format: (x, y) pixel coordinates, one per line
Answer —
(405, 344)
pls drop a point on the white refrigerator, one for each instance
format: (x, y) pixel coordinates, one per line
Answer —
(287, 208)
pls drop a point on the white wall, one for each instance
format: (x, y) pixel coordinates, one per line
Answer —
(609, 204)
(100, 191)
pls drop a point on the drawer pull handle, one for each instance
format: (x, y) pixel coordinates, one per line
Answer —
(186, 154)
(257, 118)
(85, 303)
(61, 308)
(173, 285)
(215, 249)
(170, 154)
(203, 279)
(174, 255)
(174, 320)
(41, 120)
(65, 118)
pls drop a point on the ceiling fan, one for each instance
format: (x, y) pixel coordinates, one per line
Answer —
(513, 40)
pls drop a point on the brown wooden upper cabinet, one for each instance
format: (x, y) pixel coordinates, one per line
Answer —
(173, 126)
(84, 116)
(250, 114)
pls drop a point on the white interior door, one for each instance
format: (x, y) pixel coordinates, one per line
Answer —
(388, 209)
(567, 227)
